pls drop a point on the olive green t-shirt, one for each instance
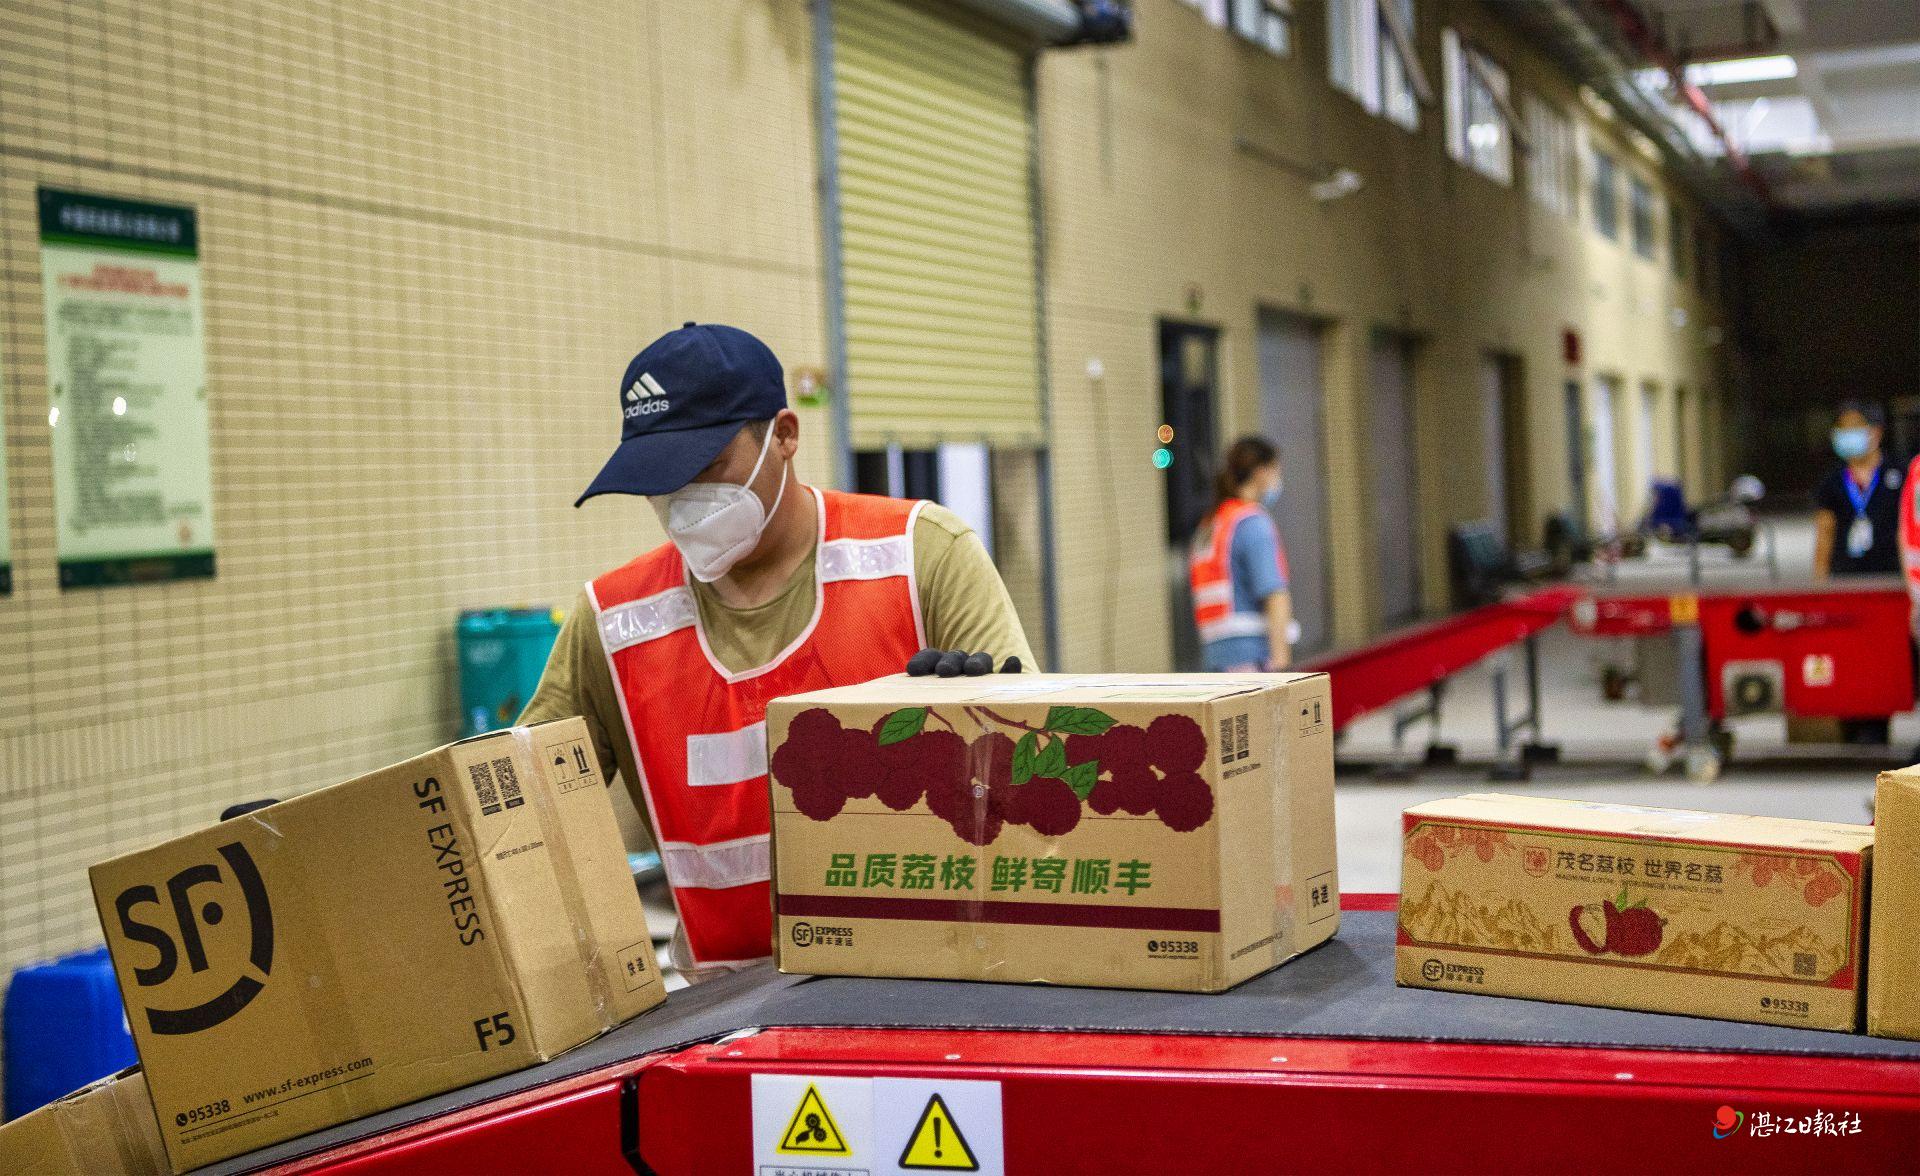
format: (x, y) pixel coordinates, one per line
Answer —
(963, 604)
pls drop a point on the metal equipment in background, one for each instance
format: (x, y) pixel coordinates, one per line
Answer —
(1421, 660)
(1831, 651)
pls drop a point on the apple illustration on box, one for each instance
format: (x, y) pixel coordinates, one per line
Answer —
(1628, 930)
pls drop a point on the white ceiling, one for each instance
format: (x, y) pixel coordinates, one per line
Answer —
(1845, 130)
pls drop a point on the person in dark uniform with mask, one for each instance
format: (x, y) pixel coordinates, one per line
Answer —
(1857, 529)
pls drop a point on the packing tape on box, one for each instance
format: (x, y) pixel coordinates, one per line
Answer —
(567, 875)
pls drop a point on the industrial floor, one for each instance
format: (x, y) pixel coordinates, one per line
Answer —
(1605, 745)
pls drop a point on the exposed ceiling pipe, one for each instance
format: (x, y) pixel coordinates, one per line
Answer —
(1587, 43)
(1640, 36)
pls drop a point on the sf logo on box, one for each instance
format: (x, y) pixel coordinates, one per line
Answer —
(189, 905)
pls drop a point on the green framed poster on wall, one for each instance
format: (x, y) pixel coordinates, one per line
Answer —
(127, 383)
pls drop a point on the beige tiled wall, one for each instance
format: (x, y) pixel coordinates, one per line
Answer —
(1155, 207)
(432, 233)
(431, 236)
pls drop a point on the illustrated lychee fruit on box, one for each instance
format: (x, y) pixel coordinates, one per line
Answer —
(1163, 832)
(1668, 910)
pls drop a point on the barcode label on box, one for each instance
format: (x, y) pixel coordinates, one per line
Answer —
(483, 788)
(1233, 738)
(509, 783)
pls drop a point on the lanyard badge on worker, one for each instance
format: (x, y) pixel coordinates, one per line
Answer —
(1860, 534)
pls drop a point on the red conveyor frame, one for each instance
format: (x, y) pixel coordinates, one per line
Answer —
(1137, 1102)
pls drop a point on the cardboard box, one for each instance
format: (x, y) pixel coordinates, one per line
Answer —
(105, 1127)
(1666, 910)
(1125, 831)
(460, 915)
(1893, 947)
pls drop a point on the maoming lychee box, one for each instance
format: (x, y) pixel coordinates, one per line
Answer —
(1170, 832)
(1666, 910)
(1893, 971)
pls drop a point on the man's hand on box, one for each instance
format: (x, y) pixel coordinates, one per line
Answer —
(952, 663)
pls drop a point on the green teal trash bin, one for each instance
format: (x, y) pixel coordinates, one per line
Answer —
(502, 652)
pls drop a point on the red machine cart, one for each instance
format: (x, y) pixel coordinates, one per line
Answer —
(1839, 650)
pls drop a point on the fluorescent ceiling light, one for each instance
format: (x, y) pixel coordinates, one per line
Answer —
(1776, 68)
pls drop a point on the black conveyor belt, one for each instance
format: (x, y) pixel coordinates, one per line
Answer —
(1343, 989)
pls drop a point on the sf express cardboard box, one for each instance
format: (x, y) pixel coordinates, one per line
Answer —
(460, 915)
(105, 1127)
(1666, 910)
(1893, 951)
(1169, 832)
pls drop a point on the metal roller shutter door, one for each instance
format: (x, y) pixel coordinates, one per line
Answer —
(937, 234)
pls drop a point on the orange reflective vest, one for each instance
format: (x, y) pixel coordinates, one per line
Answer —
(698, 729)
(1910, 537)
(1210, 575)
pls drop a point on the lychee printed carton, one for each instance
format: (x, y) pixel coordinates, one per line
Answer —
(1170, 832)
(1664, 910)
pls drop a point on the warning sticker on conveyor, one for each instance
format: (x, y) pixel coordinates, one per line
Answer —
(818, 1125)
(812, 1125)
(937, 1125)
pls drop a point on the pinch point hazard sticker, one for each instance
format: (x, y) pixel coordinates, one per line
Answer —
(820, 1125)
(812, 1131)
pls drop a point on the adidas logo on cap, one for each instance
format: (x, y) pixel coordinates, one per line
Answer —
(645, 396)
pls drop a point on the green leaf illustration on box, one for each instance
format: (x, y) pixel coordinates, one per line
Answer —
(1082, 777)
(1024, 753)
(1078, 720)
(1052, 759)
(902, 725)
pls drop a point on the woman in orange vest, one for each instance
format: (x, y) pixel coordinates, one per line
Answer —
(1238, 567)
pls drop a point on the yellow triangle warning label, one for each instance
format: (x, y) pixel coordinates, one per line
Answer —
(812, 1131)
(936, 1143)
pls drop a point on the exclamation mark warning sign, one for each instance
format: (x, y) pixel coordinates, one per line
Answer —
(937, 1144)
(923, 1125)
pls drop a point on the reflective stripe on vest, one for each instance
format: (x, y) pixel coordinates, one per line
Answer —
(1210, 576)
(698, 730)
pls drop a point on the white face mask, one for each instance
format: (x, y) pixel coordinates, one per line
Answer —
(715, 524)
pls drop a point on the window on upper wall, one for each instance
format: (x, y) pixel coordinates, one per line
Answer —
(1267, 23)
(1366, 59)
(1214, 10)
(1553, 163)
(1678, 239)
(1476, 88)
(1640, 202)
(1603, 193)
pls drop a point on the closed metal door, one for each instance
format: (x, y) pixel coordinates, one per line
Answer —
(1292, 410)
(1395, 495)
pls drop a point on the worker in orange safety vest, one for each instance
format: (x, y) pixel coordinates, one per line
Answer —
(1237, 567)
(766, 587)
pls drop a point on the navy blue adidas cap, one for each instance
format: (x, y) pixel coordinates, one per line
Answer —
(682, 400)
